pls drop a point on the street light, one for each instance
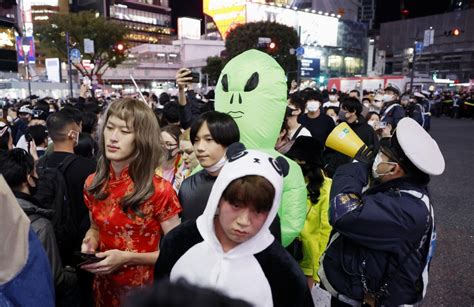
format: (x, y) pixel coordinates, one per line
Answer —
(25, 45)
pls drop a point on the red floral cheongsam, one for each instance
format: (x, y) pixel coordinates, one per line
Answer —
(128, 232)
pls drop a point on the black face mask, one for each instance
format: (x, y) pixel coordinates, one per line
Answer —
(34, 189)
(169, 154)
(342, 115)
(288, 112)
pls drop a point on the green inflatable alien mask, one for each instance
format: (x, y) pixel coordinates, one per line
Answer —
(252, 89)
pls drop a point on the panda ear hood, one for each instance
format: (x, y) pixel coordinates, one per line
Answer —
(243, 163)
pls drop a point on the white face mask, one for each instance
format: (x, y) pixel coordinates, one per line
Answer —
(378, 160)
(378, 104)
(371, 122)
(216, 167)
(388, 97)
(313, 105)
(332, 97)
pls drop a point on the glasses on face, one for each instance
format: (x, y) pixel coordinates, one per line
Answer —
(170, 145)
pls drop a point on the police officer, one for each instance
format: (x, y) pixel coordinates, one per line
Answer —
(383, 238)
(392, 112)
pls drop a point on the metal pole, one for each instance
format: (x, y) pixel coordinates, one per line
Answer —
(69, 67)
(413, 69)
(27, 75)
(298, 62)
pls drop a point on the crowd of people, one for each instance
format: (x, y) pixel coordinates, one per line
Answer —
(129, 197)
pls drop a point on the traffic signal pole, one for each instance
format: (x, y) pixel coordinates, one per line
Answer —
(412, 74)
(69, 66)
(298, 62)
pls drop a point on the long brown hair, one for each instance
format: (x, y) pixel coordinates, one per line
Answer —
(145, 159)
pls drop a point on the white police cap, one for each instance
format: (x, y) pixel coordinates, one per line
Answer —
(420, 148)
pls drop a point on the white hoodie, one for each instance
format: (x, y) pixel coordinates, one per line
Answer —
(237, 272)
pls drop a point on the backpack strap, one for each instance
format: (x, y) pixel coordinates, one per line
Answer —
(63, 166)
(42, 161)
(295, 135)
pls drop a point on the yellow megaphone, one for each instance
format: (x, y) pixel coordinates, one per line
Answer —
(344, 140)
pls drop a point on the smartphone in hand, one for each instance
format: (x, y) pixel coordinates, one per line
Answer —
(195, 76)
(87, 258)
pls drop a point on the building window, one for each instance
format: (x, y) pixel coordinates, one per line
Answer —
(353, 65)
(335, 62)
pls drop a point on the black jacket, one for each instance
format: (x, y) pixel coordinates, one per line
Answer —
(373, 233)
(64, 279)
(194, 193)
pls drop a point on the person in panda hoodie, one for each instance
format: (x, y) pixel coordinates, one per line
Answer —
(230, 247)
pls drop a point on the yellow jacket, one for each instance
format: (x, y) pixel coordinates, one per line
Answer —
(316, 231)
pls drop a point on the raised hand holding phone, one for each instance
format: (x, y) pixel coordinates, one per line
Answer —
(184, 77)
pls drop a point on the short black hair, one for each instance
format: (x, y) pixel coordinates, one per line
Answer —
(171, 112)
(164, 98)
(222, 126)
(313, 95)
(58, 122)
(15, 166)
(89, 122)
(355, 91)
(92, 107)
(73, 112)
(86, 146)
(352, 104)
(180, 293)
(38, 133)
(369, 115)
(251, 191)
(297, 101)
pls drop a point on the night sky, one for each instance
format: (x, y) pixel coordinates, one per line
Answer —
(186, 8)
(387, 10)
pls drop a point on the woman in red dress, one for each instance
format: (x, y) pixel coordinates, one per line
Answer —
(130, 208)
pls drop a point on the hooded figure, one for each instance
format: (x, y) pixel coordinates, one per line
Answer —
(252, 89)
(25, 273)
(256, 269)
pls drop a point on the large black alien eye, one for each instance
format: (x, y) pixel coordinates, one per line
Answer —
(225, 83)
(252, 82)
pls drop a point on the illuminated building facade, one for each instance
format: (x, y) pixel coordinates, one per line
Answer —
(8, 26)
(336, 45)
(149, 21)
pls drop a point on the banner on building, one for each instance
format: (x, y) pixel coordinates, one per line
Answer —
(189, 28)
(20, 49)
(53, 69)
